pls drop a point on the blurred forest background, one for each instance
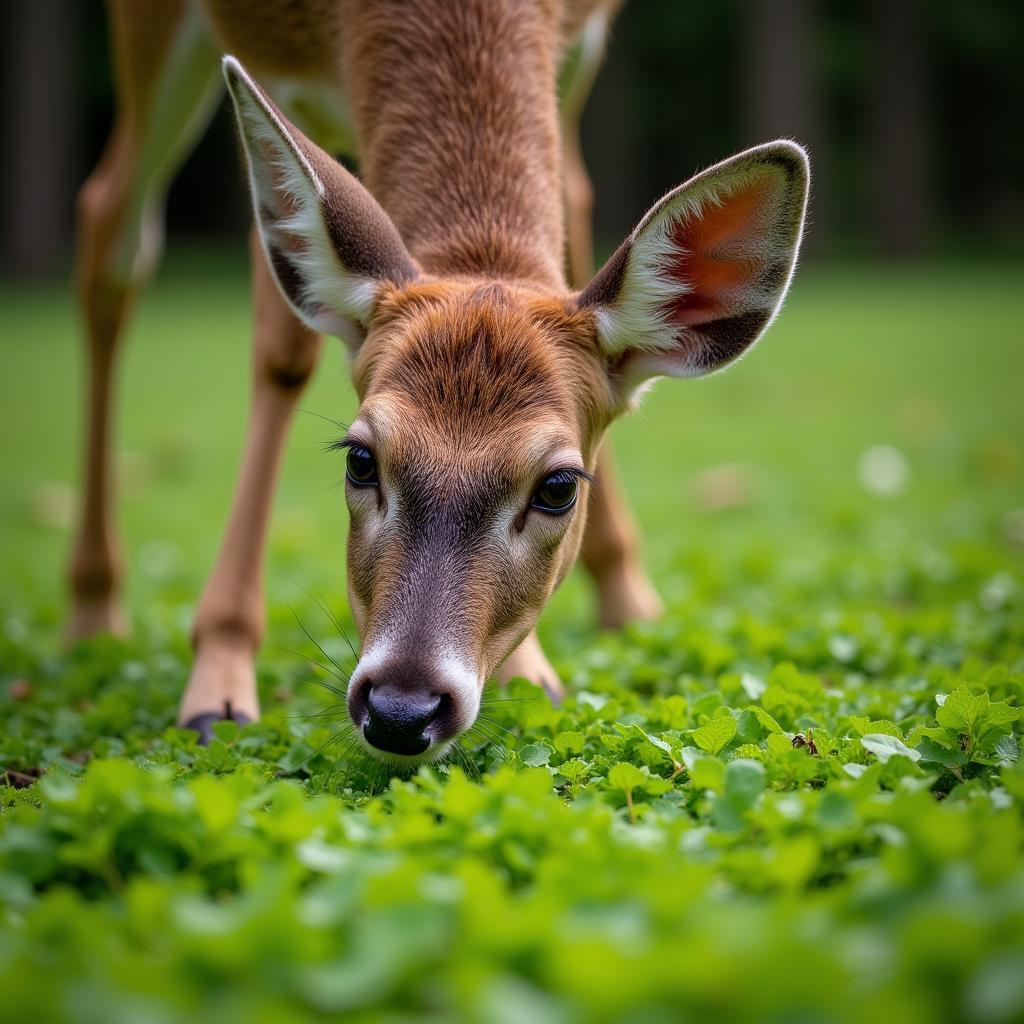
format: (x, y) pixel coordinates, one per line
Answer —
(911, 110)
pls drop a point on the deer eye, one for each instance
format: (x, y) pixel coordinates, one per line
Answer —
(361, 467)
(556, 493)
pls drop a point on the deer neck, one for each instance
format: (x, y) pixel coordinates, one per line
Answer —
(455, 106)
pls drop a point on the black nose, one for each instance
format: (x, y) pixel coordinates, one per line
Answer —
(397, 720)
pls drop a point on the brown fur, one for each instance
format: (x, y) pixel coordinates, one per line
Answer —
(470, 375)
(458, 127)
(460, 370)
(479, 373)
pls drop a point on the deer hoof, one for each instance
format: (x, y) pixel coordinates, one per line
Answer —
(204, 723)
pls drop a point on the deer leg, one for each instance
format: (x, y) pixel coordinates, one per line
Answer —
(95, 566)
(166, 79)
(229, 620)
(529, 661)
(610, 551)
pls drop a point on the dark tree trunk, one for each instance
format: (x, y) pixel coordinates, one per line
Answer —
(613, 152)
(781, 90)
(899, 134)
(37, 124)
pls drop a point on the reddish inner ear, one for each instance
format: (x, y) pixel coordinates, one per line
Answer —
(719, 254)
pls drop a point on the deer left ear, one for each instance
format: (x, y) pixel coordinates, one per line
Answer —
(705, 272)
(331, 247)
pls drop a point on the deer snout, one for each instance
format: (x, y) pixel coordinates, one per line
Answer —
(406, 711)
(397, 722)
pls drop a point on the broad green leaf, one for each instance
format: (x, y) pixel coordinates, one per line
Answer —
(934, 752)
(655, 785)
(977, 716)
(626, 777)
(536, 755)
(690, 756)
(960, 709)
(715, 734)
(569, 742)
(863, 725)
(766, 720)
(744, 782)
(779, 745)
(660, 745)
(708, 773)
(884, 746)
(1007, 749)
(944, 737)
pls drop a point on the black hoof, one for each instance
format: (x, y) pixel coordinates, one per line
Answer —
(203, 724)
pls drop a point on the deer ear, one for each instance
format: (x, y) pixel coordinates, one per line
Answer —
(331, 247)
(704, 273)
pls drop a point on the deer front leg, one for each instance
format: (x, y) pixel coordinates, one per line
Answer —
(529, 661)
(166, 82)
(95, 569)
(229, 621)
(611, 552)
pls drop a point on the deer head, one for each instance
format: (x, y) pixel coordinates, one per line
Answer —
(483, 402)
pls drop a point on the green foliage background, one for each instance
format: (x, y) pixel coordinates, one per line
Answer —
(796, 798)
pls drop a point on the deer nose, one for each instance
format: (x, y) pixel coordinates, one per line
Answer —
(397, 720)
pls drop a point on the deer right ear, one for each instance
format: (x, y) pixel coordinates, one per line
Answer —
(704, 273)
(331, 247)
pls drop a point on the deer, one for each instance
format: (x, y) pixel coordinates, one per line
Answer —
(488, 358)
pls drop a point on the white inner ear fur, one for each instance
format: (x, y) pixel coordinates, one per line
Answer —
(639, 318)
(286, 186)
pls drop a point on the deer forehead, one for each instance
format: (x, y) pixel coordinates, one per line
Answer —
(480, 373)
(464, 448)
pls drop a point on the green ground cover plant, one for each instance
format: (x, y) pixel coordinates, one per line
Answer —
(796, 798)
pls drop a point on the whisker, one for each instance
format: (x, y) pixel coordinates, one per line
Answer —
(345, 751)
(333, 710)
(342, 678)
(491, 722)
(326, 609)
(306, 657)
(342, 758)
(379, 776)
(339, 627)
(499, 748)
(315, 644)
(333, 738)
(488, 738)
(323, 684)
(490, 696)
(452, 754)
(468, 766)
(485, 727)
